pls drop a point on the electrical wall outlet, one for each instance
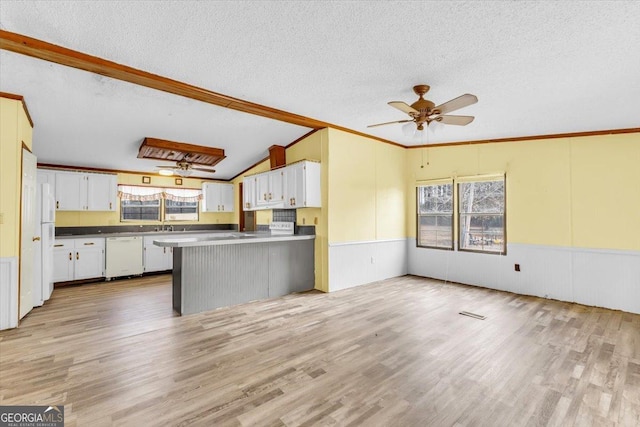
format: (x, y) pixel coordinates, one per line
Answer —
(517, 267)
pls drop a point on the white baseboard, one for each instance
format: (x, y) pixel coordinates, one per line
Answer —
(356, 263)
(8, 292)
(603, 278)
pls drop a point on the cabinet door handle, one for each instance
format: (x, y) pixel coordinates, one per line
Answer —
(77, 255)
(89, 244)
(110, 205)
(57, 204)
(70, 257)
(36, 239)
(164, 250)
(264, 196)
(58, 246)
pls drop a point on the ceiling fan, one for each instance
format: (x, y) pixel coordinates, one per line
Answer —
(183, 168)
(424, 111)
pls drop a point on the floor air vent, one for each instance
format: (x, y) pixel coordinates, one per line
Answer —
(475, 316)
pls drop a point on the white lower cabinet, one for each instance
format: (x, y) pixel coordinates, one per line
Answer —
(77, 259)
(155, 257)
(63, 255)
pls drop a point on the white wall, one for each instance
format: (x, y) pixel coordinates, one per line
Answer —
(356, 263)
(597, 277)
(8, 292)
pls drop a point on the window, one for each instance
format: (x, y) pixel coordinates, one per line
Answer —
(180, 211)
(481, 219)
(139, 210)
(158, 204)
(181, 204)
(139, 203)
(435, 216)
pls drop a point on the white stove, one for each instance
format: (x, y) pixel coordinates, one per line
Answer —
(281, 228)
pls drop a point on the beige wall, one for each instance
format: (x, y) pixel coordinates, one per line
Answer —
(15, 130)
(367, 189)
(580, 191)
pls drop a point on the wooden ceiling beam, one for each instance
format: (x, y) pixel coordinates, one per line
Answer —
(40, 49)
(60, 55)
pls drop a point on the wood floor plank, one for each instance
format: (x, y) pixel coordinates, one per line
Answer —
(395, 352)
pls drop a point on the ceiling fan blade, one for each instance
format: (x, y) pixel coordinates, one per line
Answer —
(166, 167)
(455, 120)
(456, 104)
(204, 170)
(404, 107)
(389, 123)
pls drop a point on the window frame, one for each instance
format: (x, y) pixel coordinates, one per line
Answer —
(418, 215)
(158, 195)
(160, 211)
(173, 216)
(459, 214)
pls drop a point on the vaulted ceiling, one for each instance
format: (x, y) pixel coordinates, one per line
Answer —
(537, 68)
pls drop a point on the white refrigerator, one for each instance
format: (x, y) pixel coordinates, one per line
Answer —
(45, 223)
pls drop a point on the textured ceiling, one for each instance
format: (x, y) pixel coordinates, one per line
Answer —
(536, 67)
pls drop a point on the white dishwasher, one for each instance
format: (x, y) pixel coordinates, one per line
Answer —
(124, 256)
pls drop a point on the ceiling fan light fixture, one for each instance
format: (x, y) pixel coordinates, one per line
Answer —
(408, 129)
(435, 126)
(165, 172)
(425, 111)
(184, 172)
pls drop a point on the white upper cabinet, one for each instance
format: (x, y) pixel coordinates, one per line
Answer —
(102, 192)
(249, 193)
(76, 191)
(47, 176)
(262, 190)
(71, 191)
(226, 197)
(290, 187)
(302, 185)
(269, 189)
(217, 197)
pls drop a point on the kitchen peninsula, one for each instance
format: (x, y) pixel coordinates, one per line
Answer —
(234, 268)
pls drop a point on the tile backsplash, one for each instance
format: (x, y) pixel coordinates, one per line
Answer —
(284, 215)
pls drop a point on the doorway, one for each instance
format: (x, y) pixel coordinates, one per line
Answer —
(27, 232)
(247, 219)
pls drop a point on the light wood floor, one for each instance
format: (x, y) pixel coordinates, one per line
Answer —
(393, 353)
